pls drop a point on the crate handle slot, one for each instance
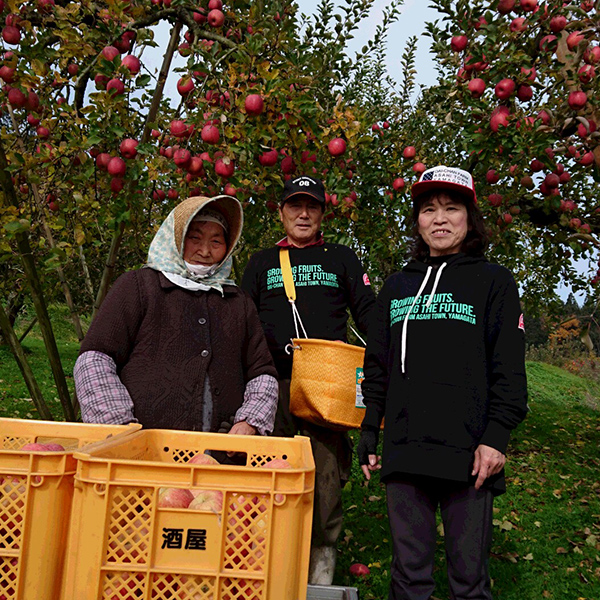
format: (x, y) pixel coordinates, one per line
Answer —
(100, 489)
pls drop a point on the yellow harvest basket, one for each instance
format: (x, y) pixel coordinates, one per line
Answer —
(251, 540)
(325, 386)
(36, 489)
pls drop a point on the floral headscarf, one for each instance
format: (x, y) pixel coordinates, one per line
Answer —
(166, 250)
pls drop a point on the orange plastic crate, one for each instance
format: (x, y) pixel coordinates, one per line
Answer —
(255, 546)
(36, 489)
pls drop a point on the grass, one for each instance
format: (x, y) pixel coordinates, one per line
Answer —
(546, 527)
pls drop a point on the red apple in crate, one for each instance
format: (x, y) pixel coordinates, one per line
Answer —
(208, 500)
(55, 447)
(174, 498)
(34, 447)
(359, 570)
(203, 459)
(277, 463)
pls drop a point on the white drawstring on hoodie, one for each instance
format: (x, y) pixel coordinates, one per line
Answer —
(405, 323)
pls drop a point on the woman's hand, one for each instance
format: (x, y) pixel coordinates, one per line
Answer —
(242, 428)
(367, 452)
(488, 462)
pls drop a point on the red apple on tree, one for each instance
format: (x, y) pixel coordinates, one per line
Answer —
(586, 73)
(577, 100)
(224, 167)
(102, 161)
(269, 158)
(419, 167)
(524, 92)
(210, 134)
(476, 87)
(115, 87)
(7, 74)
(495, 200)
(518, 25)
(574, 39)
(116, 167)
(110, 53)
(409, 152)
(504, 89)
(215, 18)
(185, 86)
(458, 43)
(128, 148)
(254, 104)
(16, 98)
(529, 5)
(398, 183)
(178, 128)
(42, 132)
(558, 23)
(288, 166)
(505, 6)
(492, 176)
(336, 147)
(182, 157)
(11, 34)
(499, 118)
(132, 63)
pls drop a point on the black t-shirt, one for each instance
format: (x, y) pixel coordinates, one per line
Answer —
(328, 278)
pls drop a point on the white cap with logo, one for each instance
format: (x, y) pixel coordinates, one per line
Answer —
(445, 178)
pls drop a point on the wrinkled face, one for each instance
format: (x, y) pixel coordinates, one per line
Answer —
(204, 244)
(301, 218)
(443, 224)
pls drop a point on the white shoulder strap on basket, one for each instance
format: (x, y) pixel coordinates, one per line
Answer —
(290, 292)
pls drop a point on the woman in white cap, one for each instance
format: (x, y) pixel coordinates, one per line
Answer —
(445, 366)
(177, 345)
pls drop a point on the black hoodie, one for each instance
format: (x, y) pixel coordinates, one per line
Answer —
(460, 381)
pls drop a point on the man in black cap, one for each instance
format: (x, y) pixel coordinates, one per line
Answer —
(329, 280)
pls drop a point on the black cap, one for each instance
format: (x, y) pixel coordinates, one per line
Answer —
(304, 186)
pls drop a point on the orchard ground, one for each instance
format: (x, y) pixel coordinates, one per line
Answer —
(546, 527)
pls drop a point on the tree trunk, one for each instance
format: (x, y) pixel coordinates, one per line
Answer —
(48, 233)
(154, 106)
(17, 351)
(37, 293)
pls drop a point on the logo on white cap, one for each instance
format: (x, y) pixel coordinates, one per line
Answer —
(448, 175)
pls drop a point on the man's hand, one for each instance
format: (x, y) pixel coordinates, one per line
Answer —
(488, 462)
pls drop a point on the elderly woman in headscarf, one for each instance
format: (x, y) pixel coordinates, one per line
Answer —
(176, 344)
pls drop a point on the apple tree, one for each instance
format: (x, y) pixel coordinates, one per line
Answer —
(518, 104)
(93, 155)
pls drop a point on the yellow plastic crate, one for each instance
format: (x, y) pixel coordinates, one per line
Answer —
(255, 546)
(36, 489)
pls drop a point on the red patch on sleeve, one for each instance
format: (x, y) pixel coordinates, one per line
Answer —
(366, 279)
(521, 322)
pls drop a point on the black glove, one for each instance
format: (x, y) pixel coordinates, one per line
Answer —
(226, 426)
(367, 444)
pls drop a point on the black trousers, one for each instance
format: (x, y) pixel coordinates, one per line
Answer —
(332, 451)
(467, 519)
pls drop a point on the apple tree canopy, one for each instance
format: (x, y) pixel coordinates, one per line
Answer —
(93, 155)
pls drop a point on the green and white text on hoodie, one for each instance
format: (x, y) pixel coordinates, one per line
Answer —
(445, 365)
